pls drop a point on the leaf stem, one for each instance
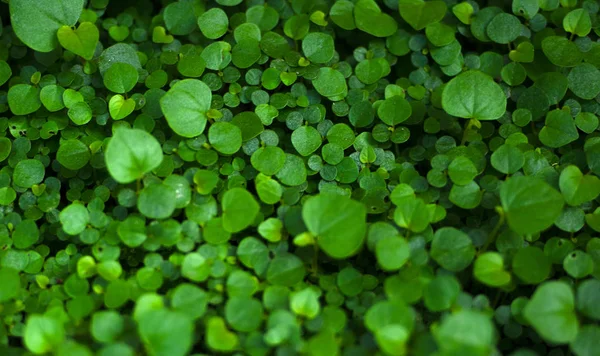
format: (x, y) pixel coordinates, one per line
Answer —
(315, 260)
(492, 236)
(465, 130)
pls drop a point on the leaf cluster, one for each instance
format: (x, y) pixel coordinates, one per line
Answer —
(306, 177)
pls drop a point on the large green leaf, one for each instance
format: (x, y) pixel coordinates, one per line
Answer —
(37, 22)
(185, 106)
(131, 153)
(338, 222)
(530, 204)
(551, 312)
(474, 95)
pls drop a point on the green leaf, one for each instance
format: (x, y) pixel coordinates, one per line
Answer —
(462, 171)
(73, 154)
(489, 269)
(551, 312)
(225, 137)
(524, 53)
(80, 113)
(305, 303)
(213, 23)
(36, 24)
(370, 19)
(306, 140)
(419, 13)
(578, 22)
(11, 284)
(74, 218)
(81, 41)
(530, 204)
(584, 81)
(180, 17)
(331, 83)
(439, 34)
(507, 159)
(412, 214)
(318, 47)
(51, 97)
(165, 332)
(504, 28)
(239, 209)
(157, 201)
(394, 110)
(120, 78)
(119, 107)
(474, 95)
(243, 313)
(25, 234)
(28, 172)
(5, 72)
(588, 296)
(43, 334)
(525, 8)
(285, 270)
(185, 106)
(268, 160)
(218, 337)
(452, 249)
(560, 129)
(463, 12)
(392, 253)
(577, 188)
(342, 14)
(466, 331)
(441, 293)
(338, 222)
(24, 99)
(131, 153)
(245, 53)
(561, 52)
(587, 341)
(531, 265)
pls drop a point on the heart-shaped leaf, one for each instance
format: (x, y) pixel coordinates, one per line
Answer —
(81, 41)
(118, 33)
(369, 18)
(419, 13)
(578, 188)
(159, 35)
(119, 107)
(523, 53)
(474, 95)
(560, 129)
(288, 78)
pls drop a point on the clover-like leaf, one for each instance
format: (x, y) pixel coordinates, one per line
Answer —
(551, 311)
(185, 106)
(474, 95)
(36, 23)
(131, 153)
(338, 222)
(530, 204)
(81, 41)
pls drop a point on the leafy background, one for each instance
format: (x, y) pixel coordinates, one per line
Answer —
(299, 177)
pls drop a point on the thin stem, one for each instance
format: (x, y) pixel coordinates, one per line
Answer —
(492, 236)
(497, 298)
(315, 260)
(138, 183)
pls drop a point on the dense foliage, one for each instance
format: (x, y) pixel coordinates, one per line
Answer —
(299, 177)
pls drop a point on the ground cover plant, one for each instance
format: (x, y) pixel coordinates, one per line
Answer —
(306, 177)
